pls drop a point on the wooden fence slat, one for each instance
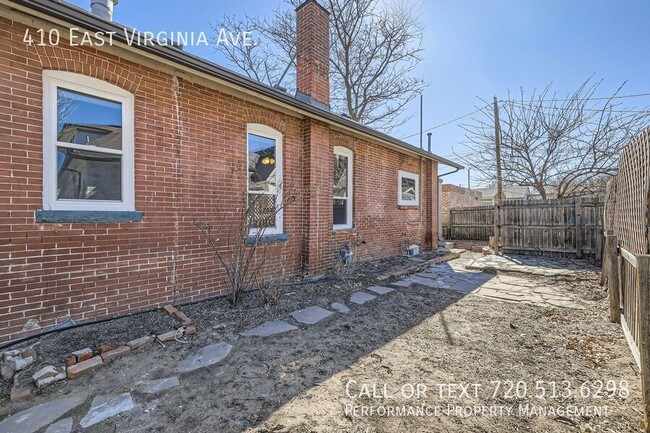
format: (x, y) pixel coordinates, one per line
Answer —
(565, 227)
(643, 282)
(612, 279)
(578, 235)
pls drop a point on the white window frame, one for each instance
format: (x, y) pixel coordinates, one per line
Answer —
(407, 175)
(268, 132)
(344, 151)
(52, 80)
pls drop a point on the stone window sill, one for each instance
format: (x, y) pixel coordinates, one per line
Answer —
(268, 239)
(407, 207)
(85, 216)
(349, 231)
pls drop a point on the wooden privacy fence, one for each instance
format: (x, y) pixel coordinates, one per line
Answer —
(626, 264)
(564, 227)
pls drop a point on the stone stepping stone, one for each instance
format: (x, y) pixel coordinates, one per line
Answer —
(429, 275)
(107, 406)
(565, 304)
(402, 283)
(380, 290)
(207, 356)
(463, 287)
(311, 315)
(63, 426)
(269, 328)
(361, 297)
(425, 281)
(158, 385)
(341, 308)
(36, 417)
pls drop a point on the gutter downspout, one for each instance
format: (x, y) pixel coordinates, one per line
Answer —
(440, 200)
(440, 191)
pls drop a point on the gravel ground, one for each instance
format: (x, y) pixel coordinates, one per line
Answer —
(312, 379)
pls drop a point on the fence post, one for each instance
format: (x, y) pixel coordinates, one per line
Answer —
(497, 229)
(450, 227)
(612, 279)
(605, 268)
(643, 309)
(578, 236)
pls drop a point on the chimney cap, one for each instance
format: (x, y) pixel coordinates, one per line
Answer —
(306, 2)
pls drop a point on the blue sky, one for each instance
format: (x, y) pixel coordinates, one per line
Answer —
(473, 48)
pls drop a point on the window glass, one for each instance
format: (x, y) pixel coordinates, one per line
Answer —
(261, 164)
(262, 210)
(340, 211)
(340, 176)
(84, 175)
(88, 120)
(343, 189)
(408, 189)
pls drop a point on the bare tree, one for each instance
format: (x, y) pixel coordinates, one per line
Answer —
(566, 146)
(375, 48)
(239, 248)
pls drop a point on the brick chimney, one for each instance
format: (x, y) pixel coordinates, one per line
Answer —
(313, 40)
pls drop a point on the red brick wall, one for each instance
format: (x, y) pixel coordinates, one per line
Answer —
(195, 171)
(456, 196)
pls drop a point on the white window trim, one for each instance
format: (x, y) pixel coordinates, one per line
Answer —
(267, 131)
(405, 174)
(344, 151)
(93, 87)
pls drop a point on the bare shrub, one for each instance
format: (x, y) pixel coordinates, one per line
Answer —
(239, 248)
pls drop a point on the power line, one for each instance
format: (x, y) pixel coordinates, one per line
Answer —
(446, 123)
(603, 98)
(523, 103)
(526, 103)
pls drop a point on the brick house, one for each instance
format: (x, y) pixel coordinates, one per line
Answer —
(457, 196)
(111, 152)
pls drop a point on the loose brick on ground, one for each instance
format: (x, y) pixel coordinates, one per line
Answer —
(182, 317)
(115, 353)
(84, 367)
(170, 309)
(140, 342)
(168, 336)
(83, 354)
(104, 348)
(20, 392)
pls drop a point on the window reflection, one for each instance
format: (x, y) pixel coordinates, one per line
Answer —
(88, 175)
(408, 189)
(261, 164)
(88, 120)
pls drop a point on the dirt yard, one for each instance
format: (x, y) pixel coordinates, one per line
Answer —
(418, 359)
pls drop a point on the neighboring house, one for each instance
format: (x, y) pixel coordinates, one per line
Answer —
(551, 192)
(509, 193)
(111, 152)
(457, 196)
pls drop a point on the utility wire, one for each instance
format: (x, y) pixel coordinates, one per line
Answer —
(524, 103)
(446, 123)
(638, 95)
(533, 103)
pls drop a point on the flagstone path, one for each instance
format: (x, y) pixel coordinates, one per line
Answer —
(456, 276)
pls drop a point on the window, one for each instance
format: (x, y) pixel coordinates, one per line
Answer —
(87, 144)
(342, 188)
(265, 178)
(408, 189)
